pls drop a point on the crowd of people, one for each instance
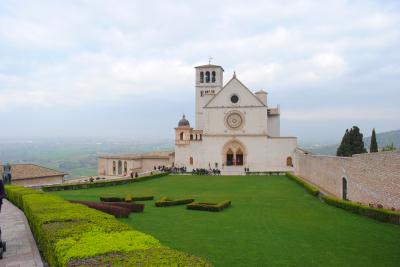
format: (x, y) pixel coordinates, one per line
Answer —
(197, 171)
(206, 172)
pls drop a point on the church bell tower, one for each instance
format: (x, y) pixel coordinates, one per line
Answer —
(209, 81)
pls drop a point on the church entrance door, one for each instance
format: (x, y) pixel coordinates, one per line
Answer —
(239, 157)
(234, 153)
(229, 158)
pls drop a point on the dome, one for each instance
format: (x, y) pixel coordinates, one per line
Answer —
(183, 121)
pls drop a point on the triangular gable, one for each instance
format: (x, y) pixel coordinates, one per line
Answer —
(234, 86)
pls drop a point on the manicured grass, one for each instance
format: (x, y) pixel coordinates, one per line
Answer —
(272, 222)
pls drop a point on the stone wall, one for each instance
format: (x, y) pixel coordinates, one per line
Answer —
(371, 178)
(39, 181)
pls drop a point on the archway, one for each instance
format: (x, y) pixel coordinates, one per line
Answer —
(289, 162)
(234, 153)
(239, 157)
(119, 167)
(344, 188)
(229, 158)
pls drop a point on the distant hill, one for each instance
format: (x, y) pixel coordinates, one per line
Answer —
(383, 139)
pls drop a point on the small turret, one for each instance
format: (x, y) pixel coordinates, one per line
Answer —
(262, 95)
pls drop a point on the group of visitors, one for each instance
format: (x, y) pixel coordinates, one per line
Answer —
(206, 172)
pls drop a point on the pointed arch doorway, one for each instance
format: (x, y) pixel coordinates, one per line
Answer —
(234, 153)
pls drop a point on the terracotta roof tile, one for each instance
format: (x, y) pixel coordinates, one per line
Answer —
(28, 171)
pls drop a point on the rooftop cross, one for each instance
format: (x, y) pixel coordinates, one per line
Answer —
(209, 59)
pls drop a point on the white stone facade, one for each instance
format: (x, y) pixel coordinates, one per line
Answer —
(125, 165)
(235, 129)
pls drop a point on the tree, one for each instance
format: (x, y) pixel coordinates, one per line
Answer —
(356, 141)
(352, 143)
(389, 147)
(344, 150)
(374, 145)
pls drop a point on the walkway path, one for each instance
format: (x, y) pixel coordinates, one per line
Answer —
(21, 247)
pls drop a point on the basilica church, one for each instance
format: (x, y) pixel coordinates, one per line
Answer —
(235, 129)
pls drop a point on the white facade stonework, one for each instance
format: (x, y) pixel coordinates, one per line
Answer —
(125, 165)
(235, 129)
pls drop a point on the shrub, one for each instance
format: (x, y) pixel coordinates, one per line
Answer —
(115, 210)
(75, 186)
(166, 202)
(209, 206)
(68, 233)
(112, 199)
(310, 188)
(131, 198)
(379, 214)
(149, 257)
(132, 207)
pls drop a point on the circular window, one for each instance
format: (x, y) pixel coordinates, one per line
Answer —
(234, 120)
(234, 99)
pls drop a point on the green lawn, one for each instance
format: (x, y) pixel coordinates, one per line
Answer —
(272, 222)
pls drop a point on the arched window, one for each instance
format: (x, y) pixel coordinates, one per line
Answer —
(119, 167)
(344, 188)
(181, 136)
(239, 157)
(201, 137)
(289, 162)
(114, 168)
(213, 77)
(196, 136)
(125, 167)
(201, 77)
(191, 160)
(207, 76)
(201, 93)
(191, 136)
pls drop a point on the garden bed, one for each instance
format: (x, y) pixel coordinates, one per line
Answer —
(209, 206)
(166, 202)
(71, 234)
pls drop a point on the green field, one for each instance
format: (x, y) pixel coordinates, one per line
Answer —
(272, 222)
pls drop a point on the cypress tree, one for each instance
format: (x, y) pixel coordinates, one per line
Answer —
(356, 141)
(344, 150)
(352, 143)
(374, 145)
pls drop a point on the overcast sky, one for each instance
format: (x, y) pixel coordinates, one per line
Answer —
(126, 68)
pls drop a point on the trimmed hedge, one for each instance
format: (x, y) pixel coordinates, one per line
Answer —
(382, 215)
(76, 186)
(310, 188)
(150, 257)
(68, 233)
(166, 202)
(132, 207)
(112, 199)
(209, 206)
(128, 198)
(115, 210)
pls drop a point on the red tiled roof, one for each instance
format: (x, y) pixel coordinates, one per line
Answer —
(29, 171)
